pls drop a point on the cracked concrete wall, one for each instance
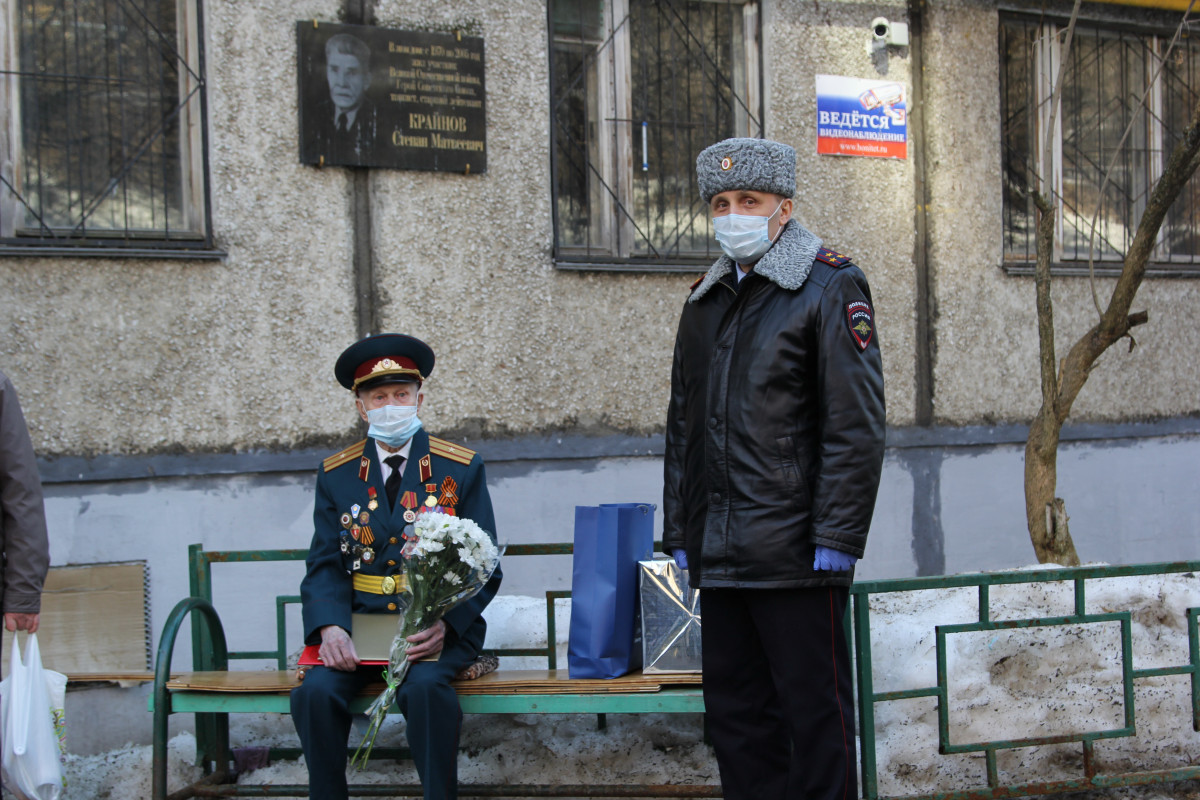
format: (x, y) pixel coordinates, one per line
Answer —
(141, 356)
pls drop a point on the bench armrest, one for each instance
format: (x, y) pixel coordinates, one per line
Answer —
(217, 659)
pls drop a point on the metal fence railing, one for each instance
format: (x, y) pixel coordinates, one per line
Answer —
(1119, 720)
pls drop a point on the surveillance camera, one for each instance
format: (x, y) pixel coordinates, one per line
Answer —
(889, 33)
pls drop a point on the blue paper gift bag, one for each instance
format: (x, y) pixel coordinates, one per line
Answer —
(610, 540)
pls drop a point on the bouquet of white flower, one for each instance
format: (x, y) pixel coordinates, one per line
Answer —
(448, 562)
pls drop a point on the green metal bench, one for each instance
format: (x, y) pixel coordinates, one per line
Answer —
(213, 707)
(213, 704)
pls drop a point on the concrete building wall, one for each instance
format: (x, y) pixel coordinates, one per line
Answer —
(143, 356)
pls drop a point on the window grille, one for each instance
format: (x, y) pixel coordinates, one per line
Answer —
(638, 89)
(1108, 72)
(102, 146)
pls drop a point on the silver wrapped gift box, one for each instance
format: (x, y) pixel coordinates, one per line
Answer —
(670, 618)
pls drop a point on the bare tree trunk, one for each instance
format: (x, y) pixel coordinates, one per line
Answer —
(1047, 531)
(1045, 514)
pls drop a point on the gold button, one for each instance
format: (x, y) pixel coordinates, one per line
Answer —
(392, 540)
(391, 606)
(391, 563)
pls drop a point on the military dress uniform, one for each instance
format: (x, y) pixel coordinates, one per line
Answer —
(355, 566)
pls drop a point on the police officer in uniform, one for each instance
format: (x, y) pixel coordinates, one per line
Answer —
(774, 450)
(368, 496)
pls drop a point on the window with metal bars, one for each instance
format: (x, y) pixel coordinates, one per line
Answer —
(102, 128)
(1127, 96)
(638, 89)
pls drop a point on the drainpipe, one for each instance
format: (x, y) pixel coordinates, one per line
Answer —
(366, 300)
(925, 347)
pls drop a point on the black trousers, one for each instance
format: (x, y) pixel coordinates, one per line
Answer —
(778, 693)
(320, 710)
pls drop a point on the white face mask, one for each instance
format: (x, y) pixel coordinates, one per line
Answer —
(742, 237)
(393, 425)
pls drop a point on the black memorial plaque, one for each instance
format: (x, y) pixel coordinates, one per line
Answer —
(375, 97)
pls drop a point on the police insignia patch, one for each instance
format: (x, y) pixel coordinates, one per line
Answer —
(859, 320)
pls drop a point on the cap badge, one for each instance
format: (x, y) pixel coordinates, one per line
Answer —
(726, 163)
(384, 364)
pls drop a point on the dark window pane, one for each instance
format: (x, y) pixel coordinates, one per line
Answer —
(1112, 147)
(100, 123)
(627, 122)
(1017, 110)
(572, 122)
(1181, 91)
(683, 100)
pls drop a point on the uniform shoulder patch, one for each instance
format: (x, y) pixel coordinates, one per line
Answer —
(454, 452)
(861, 321)
(351, 453)
(695, 283)
(833, 259)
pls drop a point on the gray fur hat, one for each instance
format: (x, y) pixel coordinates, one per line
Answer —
(758, 165)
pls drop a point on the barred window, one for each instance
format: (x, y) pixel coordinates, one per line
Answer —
(102, 129)
(1095, 175)
(638, 89)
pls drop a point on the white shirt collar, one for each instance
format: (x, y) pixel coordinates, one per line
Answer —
(384, 454)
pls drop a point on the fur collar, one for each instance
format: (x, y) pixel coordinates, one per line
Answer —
(786, 264)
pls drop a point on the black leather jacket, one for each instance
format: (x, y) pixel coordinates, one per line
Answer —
(775, 430)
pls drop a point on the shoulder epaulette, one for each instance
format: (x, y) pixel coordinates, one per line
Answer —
(833, 259)
(351, 453)
(699, 281)
(454, 452)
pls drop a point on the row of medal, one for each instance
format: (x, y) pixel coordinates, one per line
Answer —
(357, 537)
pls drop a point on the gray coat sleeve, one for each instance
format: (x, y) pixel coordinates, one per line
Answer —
(23, 537)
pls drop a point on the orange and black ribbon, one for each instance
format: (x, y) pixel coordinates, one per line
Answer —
(449, 488)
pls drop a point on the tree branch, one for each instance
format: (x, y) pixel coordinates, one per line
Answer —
(1116, 320)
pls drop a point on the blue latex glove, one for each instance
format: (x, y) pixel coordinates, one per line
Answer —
(680, 556)
(830, 560)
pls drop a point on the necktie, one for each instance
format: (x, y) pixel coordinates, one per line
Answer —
(392, 485)
(341, 123)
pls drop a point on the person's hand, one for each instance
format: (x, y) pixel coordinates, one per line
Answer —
(680, 556)
(427, 643)
(21, 622)
(337, 650)
(829, 560)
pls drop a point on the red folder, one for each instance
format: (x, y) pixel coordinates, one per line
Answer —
(309, 658)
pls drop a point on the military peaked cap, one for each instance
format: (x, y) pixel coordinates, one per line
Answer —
(385, 358)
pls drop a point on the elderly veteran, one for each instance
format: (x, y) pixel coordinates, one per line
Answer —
(774, 447)
(366, 496)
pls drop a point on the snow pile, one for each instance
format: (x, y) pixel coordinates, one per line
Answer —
(1033, 682)
(1013, 684)
(520, 622)
(126, 773)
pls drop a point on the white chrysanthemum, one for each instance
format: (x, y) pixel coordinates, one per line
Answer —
(450, 577)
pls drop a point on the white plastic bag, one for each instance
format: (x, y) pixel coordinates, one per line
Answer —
(32, 726)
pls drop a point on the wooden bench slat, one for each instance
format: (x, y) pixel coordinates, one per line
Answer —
(517, 681)
(85, 677)
(556, 681)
